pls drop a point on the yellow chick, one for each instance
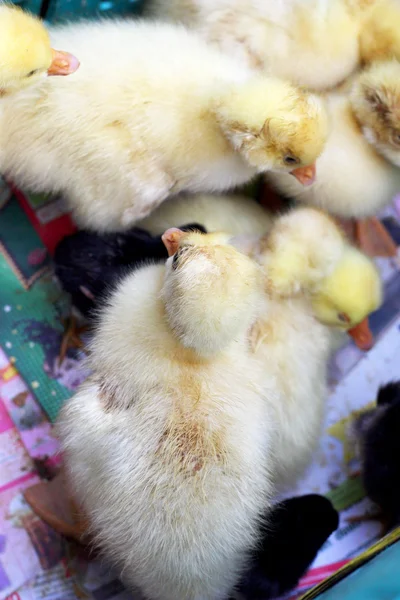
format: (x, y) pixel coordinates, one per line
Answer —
(167, 446)
(380, 31)
(153, 111)
(235, 214)
(375, 100)
(349, 293)
(343, 284)
(313, 43)
(191, 285)
(354, 178)
(316, 284)
(26, 55)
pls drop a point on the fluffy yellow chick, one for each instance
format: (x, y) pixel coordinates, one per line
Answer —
(167, 446)
(344, 298)
(354, 180)
(153, 111)
(350, 293)
(343, 284)
(376, 103)
(316, 284)
(235, 214)
(26, 55)
(380, 31)
(313, 43)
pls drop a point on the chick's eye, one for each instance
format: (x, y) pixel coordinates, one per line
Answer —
(31, 73)
(396, 138)
(175, 260)
(290, 160)
(343, 317)
(177, 256)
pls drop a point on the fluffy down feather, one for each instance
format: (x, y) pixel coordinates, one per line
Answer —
(313, 43)
(353, 179)
(152, 111)
(168, 445)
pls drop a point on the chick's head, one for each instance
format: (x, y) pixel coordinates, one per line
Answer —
(275, 126)
(300, 251)
(375, 100)
(210, 291)
(307, 255)
(26, 55)
(350, 293)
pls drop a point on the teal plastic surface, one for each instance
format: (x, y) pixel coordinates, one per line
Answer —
(61, 10)
(378, 579)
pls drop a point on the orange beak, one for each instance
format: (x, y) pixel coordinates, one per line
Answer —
(63, 63)
(305, 175)
(171, 239)
(362, 335)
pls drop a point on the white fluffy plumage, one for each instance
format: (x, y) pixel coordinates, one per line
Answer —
(168, 445)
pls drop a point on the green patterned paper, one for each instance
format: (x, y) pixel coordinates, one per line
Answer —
(31, 308)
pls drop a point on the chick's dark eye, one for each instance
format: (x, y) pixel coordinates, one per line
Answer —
(177, 255)
(31, 73)
(396, 138)
(343, 318)
(290, 160)
(175, 260)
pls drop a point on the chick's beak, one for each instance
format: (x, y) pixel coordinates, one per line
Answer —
(171, 239)
(362, 335)
(63, 63)
(305, 175)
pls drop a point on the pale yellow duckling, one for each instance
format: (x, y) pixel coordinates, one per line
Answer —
(153, 111)
(235, 214)
(358, 172)
(26, 55)
(167, 445)
(342, 283)
(313, 43)
(375, 100)
(316, 284)
(379, 37)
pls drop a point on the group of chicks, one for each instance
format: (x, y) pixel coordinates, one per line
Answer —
(160, 108)
(209, 354)
(207, 397)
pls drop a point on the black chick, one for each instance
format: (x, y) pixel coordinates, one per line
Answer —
(378, 433)
(88, 264)
(296, 530)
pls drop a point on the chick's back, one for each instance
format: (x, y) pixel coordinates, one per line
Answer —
(133, 120)
(153, 70)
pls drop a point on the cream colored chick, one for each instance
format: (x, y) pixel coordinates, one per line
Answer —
(376, 103)
(317, 284)
(167, 445)
(25, 52)
(353, 180)
(152, 111)
(380, 31)
(313, 43)
(234, 214)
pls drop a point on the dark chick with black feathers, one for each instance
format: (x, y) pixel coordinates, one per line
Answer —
(88, 265)
(296, 530)
(378, 436)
